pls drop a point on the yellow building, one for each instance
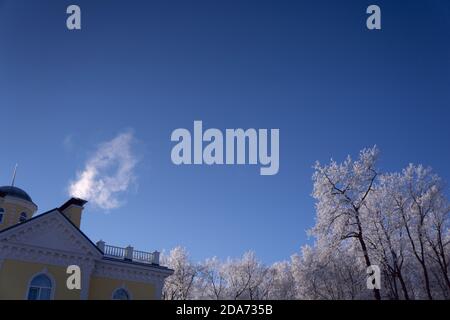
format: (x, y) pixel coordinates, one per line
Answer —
(36, 251)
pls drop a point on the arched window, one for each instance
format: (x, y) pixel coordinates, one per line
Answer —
(23, 217)
(121, 294)
(40, 288)
(2, 213)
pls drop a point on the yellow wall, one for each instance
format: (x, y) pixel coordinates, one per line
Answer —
(103, 288)
(16, 275)
(12, 213)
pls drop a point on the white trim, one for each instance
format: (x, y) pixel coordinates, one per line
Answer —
(23, 252)
(52, 280)
(130, 272)
(150, 269)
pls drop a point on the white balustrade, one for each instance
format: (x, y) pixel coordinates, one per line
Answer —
(128, 253)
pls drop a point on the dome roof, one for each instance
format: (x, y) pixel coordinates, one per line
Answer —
(14, 192)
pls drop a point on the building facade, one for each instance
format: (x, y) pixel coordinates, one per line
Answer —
(36, 252)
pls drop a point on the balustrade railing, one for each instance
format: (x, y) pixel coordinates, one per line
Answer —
(113, 251)
(128, 253)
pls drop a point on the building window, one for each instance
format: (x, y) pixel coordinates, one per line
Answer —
(40, 288)
(2, 213)
(23, 217)
(121, 294)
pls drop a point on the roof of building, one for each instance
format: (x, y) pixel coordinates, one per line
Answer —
(14, 192)
(157, 266)
(62, 214)
(81, 202)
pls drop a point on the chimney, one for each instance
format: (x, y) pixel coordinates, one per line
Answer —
(73, 209)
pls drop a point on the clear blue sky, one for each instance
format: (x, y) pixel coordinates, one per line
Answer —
(309, 68)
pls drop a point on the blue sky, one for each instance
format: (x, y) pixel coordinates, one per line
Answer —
(309, 68)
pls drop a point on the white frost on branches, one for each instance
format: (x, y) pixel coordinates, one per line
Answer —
(396, 220)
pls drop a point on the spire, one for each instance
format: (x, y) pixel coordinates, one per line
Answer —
(14, 175)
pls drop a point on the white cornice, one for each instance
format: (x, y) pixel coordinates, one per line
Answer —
(140, 267)
(28, 253)
(130, 272)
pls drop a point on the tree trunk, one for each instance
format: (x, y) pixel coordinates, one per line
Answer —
(376, 292)
(403, 284)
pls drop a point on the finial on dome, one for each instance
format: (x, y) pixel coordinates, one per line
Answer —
(14, 175)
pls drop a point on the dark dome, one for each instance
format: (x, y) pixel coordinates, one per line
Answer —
(14, 192)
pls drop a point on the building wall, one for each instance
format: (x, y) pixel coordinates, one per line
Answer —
(54, 242)
(12, 212)
(15, 277)
(103, 289)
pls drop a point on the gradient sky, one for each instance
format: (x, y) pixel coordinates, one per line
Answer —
(309, 68)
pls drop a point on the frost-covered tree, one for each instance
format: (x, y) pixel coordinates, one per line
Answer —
(387, 237)
(180, 285)
(341, 191)
(329, 275)
(424, 212)
(247, 278)
(212, 282)
(398, 221)
(283, 282)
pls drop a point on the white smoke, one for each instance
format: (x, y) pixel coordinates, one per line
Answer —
(109, 172)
